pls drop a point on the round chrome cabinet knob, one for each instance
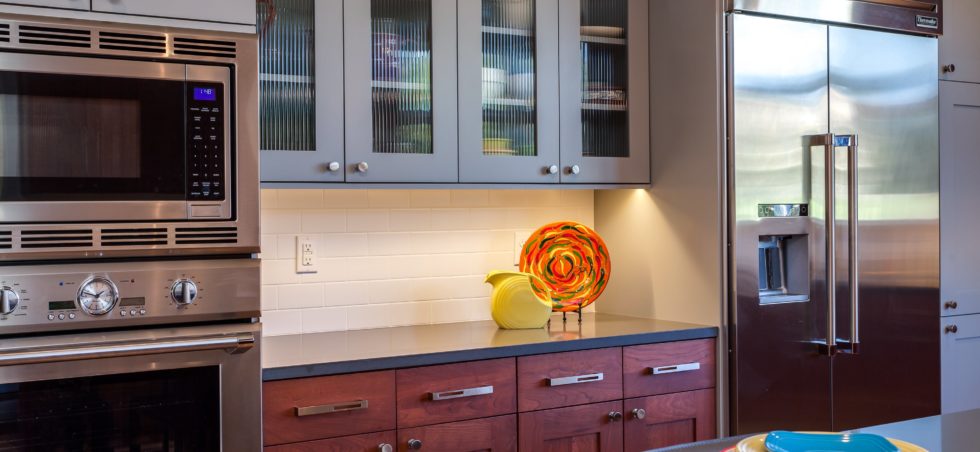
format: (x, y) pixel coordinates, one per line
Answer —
(952, 304)
(639, 413)
(385, 447)
(952, 329)
(553, 169)
(184, 292)
(8, 300)
(949, 68)
(363, 167)
(97, 295)
(574, 169)
(333, 167)
(414, 444)
(615, 416)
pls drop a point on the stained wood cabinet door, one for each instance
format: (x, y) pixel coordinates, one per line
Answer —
(371, 442)
(586, 428)
(666, 420)
(495, 434)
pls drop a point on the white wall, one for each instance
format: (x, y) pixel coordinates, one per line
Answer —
(396, 257)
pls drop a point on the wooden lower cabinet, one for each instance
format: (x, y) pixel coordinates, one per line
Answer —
(494, 434)
(670, 419)
(371, 442)
(586, 428)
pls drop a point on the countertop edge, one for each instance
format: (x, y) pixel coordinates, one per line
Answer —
(477, 354)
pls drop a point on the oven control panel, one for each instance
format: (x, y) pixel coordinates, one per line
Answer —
(205, 142)
(80, 296)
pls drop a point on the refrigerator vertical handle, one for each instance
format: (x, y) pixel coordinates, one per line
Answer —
(851, 142)
(827, 141)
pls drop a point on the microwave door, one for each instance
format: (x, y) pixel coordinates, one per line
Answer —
(95, 139)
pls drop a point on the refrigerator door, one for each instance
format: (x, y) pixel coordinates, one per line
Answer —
(884, 90)
(779, 98)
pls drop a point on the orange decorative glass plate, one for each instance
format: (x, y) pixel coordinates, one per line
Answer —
(571, 260)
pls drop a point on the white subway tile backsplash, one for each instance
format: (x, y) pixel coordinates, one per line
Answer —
(367, 220)
(300, 296)
(396, 257)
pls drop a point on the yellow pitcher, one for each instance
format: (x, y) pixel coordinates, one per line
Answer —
(514, 304)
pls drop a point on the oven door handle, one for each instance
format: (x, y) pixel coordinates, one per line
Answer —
(238, 343)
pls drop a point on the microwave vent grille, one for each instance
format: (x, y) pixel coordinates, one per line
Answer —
(5, 240)
(132, 42)
(206, 235)
(4, 32)
(54, 36)
(56, 238)
(204, 47)
(134, 237)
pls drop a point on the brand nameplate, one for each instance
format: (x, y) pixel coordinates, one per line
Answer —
(927, 22)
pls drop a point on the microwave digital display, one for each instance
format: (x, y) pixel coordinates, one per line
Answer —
(205, 94)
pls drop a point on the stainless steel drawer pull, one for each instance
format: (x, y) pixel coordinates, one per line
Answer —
(331, 408)
(458, 394)
(675, 368)
(575, 380)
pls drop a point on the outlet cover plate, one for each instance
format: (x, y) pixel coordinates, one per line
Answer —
(306, 258)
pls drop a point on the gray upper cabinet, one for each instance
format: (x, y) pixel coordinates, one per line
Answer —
(959, 54)
(400, 65)
(509, 95)
(229, 11)
(959, 164)
(83, 5)
(301, 89)
(605, 91)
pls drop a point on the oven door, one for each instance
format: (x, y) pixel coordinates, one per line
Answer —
(102, 140)
(180, 389)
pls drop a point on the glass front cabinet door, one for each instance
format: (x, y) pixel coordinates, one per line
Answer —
(400, 64)
(605, 91)
(301, 90)
(508, 91)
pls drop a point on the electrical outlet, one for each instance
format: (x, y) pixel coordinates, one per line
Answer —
(306, 261)
(520, 238)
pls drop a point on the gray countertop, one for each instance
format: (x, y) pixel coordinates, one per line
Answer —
(317, 354)
(948, 432)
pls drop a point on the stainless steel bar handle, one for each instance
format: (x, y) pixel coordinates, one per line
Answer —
(851, 142)
(340, 407)
(458, 394)
(588, 378)
(829, 347)
(688, 367)
(38, 355)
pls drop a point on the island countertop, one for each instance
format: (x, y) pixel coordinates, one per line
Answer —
(317, 354)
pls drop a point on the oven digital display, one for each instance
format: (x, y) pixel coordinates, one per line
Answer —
(205, 94)
(61, 305)
(135, 301)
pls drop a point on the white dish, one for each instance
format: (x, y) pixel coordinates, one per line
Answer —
(602, 32)
(494, 83)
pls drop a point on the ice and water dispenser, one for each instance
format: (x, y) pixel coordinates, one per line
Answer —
(784, 259)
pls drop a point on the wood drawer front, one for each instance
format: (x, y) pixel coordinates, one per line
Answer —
(571, 378)
(495, 434)
(669, 420)
(679, 366)
(456, 392)
(371, 442)
(343, 393)
(580, 428)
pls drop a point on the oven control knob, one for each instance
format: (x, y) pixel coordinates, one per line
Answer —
(8, 300)
(184, 291)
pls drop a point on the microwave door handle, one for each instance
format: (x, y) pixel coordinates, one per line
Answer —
(826, 141)
(233, 344)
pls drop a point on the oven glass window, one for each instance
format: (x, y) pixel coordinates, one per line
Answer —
(86, 138)
(171, 410)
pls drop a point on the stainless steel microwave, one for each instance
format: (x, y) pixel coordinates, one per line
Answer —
(126, 140)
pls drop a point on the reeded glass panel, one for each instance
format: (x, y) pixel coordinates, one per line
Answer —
(509, 80)
(287, 93)
(401, 85)
(605, 123)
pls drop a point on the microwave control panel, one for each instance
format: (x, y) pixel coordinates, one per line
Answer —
(205, 142)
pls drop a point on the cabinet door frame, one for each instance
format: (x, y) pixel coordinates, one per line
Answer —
(957, 45)
(209, 11)
(634, 169)
(80, 5)
(537, 427)
(474, 165)
(441, 166)
(698, 406)
(313, 165)
(960, 363)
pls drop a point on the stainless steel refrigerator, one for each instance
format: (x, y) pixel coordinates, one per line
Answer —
(834, 273)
